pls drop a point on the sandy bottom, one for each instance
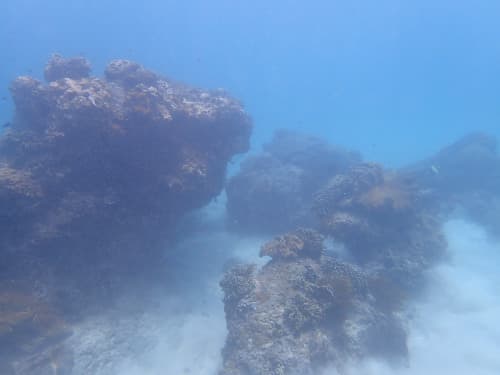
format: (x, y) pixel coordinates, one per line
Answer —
(455, 327)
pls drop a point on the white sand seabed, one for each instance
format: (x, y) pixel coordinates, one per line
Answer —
(455, 329)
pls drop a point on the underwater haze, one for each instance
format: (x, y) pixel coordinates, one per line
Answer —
(393, 79)
(373, 123)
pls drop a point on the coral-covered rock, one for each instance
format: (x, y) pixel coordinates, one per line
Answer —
(59, 67)
(96, 172)
(298, 314)
(364, 206)
(273, 190)
(465, 176)
(32, 335)
(266, 196)
(303, 308)
(126, 149)
(378, 215)
(471, 163)
(297, 244)
(128, 73)
(94, 175)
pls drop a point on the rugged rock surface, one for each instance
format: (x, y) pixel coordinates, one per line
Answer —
(96, 172)
(299, 313)
(463, 176)
(305, 309)
(32, 334)
(90, 158)
(379, 216)
(297, 244)
(470, 164)
(273, 190)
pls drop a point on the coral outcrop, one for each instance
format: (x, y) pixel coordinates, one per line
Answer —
(96, 172)
(300, 313)
(307, 308)
(273, 191)
(297, 244)
(463, 176)
(99, 156)
(33, 332)
(60, 68)
(378, 215)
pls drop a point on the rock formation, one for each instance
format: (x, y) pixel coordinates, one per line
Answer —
(380, 218)
(273, 190)
(305, 309)
(96, 172)
(464, 176)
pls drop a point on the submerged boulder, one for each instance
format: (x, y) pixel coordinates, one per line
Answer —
(464, 176)
(297, 244)
(59, 67)
(32, 335)
(274, 189)
(90, 157)
(380, 218)
(298, 314)
(94, 175)
(310, 307)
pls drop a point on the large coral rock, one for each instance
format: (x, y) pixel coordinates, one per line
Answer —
(59, 68)
(305, 308)
(364, 206)
(464, 175)
(32, 335)
(297, 244)
(380, 218)
(470, 163)
(92, 157)
(94, 175)
(273, 190)
(301, 312)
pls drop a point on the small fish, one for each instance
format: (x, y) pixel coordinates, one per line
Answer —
(4, 98)
(434, 169)
(8, 124)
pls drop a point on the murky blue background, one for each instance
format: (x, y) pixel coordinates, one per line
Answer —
(394, 79)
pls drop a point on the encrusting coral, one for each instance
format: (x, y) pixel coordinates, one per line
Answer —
(95, 173)
(32, 330)
(306, 308)
(273, 190)
(367, 206)
(464, 176)
(297, 244)
(116, 154)
(303, 310)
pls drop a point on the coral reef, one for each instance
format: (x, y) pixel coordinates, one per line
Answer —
(60, 68)
(33, 333)
(471, 163)
(377, 214)
(297, 244)
(273, 190)
(305, 308)
(299, 313)
(96, 172)
(98, 156)
(463, 176)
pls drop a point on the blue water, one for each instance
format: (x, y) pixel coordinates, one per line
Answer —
(394, 79)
